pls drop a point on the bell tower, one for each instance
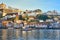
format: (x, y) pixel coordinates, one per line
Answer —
(2, 6)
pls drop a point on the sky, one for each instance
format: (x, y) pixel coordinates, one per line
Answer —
(44, 5)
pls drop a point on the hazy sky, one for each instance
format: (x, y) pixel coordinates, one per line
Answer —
(44, 5)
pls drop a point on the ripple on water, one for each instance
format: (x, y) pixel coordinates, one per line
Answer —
(17, 34)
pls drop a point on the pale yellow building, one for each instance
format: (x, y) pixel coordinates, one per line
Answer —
(4, 9)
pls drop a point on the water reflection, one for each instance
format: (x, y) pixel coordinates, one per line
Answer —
(4, 34)
(17, 34)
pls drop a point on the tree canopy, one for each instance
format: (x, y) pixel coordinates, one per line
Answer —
(42, 17)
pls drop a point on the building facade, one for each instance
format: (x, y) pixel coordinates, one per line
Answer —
(5, 10)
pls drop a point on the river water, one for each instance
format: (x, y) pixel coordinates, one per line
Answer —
(17, 34)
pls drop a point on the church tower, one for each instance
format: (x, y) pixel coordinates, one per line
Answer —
(2, 6)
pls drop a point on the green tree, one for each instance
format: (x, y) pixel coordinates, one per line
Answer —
(42, 17)
(1, 16)
(37, 10)
(20, 17)
(25, 18)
